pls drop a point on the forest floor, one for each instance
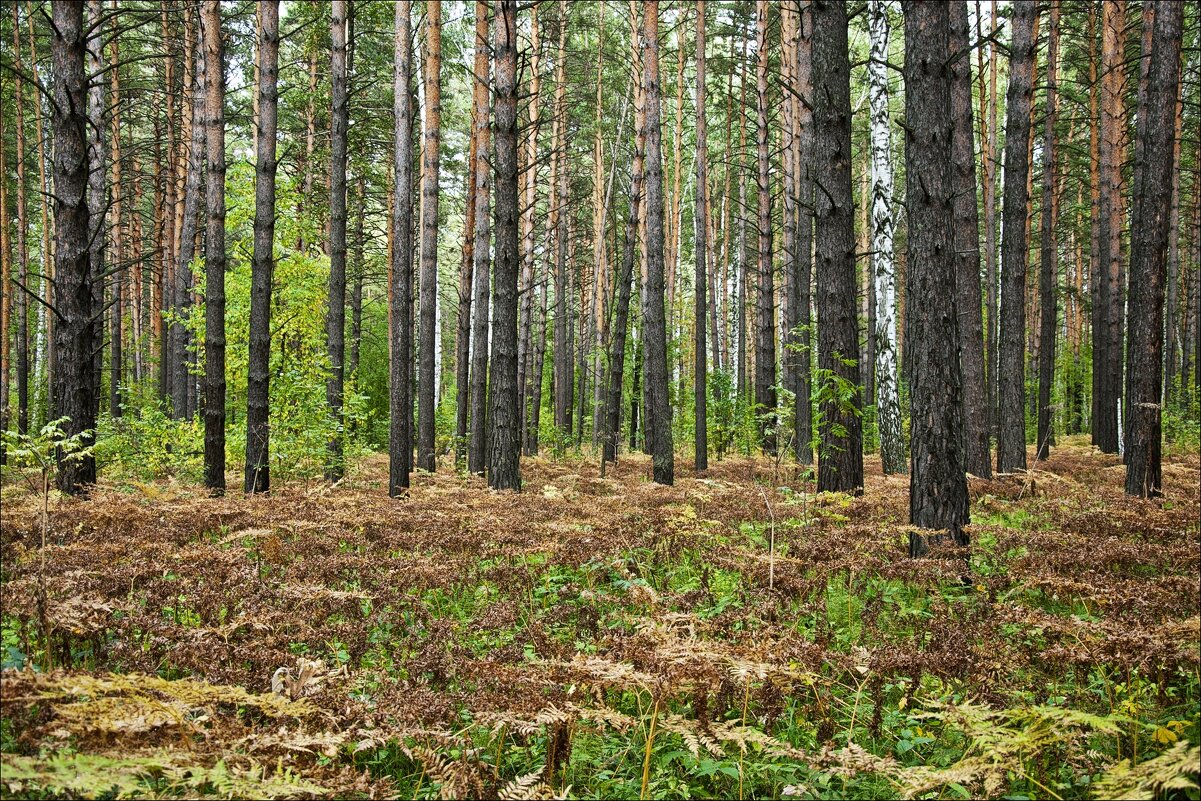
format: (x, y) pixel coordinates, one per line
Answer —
(732, 636)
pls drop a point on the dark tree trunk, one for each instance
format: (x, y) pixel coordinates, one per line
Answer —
(765, 296)
(22, 273)
(701, 248)
(182, 379)
(75, 391)
(938, 497)
(840, 468)
(1011, 439)
(335, 316)
(258, 474)
(97, 198)
(504, 463)
(1148, 253)
(654, 338)
(400, 405)
(617, 353)
(214, 253)
(431, 163)
(967, 251)
(1048, 299)
(804, 236)
(477, 454)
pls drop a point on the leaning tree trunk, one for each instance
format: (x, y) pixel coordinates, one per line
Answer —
(700, 217)
(477, 453)
(335, 316)
(214, 254)
(654, 339)
(400, 370)
(938, 497)
(1011, 439)
(1049, 307)
(967, 251)
(427, 327)
(258, 436)
(1149, 252)
(840, 468)
(504, 463)
(888, 404)
(75, 341)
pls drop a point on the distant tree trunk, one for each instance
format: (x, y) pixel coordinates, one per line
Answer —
(527, 286)
(1011, 441)
(1048, 250)
(97, 193)
(624, 281)
(23, 291)
(967, 251)
(562, 362)
(741, 268)
(840, 468)
(400, 406)
(214, 253)
(888, 404)
(75, 334)
(356, 275)
(258, 432)
(182, 378)
(477, 454)
(166, 338)
(938, 496)
(120, 271)
(1149, 252)
(788, 158)
(988, 146)
(700, 218)
(504, 463)
(335, 316)
(654, 339)
(467, 263)
(431, 163)
(765, 312)
(7, 289)
(804, 236)
(1172, 316)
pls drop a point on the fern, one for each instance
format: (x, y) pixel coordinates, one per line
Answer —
(1174, 769)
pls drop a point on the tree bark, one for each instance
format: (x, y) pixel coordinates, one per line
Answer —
(75, 342)
(477, 454)
(701, 283)
(938, 496)
(258, 371)
(654, 339)
(467, 266)
(431, 163)
(165, 326)
(214, 253)
(97, 190)
(182, 378)
(527, 287)
(804, 242)
(120, 271)
(765, 298)
(562, 361)
(504, 463)
(1149, 251)
(1048, 298)
(23, 290)
(335, 317)
(400, 407)
(840, 468)
(1011, 441)
(7, 289)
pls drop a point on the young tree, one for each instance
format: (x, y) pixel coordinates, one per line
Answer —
(888, 404)
(654, 339)
(427, 329)
(701, 216)
(1011, 439)
(335, 317)
(938, 488)
(214, 253)
(1048, 255)
(1148, 253)
(765, 308)
(400, 406)
(840, 468)
(504, 464)
(258, 369)
(477, 453)
(75, 340)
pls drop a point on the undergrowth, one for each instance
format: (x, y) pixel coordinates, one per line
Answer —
(735, 636)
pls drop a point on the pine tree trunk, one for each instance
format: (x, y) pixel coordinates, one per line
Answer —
(1048, 249)
(400, 408)
(803, 409)
(888, 404)
(1011, 441)
(165, 328)
(991, 294)
(740, 294)
(181, 378)
(527, 285)
(654, 339)
(7, 288)
(840, 468)
(120, 273)
(562, 361)
(765, 312)
(335, 317)
(97, 194)
(1149, 251)
(504, 445)
(477, 454)
(258, 461)
(701, 283)
(1172, 310)
(938, 496)
(75, 340)
(467, 263)
(431, 164)
(22, 294)
(214, 254)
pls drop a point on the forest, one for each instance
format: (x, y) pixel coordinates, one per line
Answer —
(606, 399)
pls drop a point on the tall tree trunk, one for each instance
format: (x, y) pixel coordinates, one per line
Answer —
(1011, 441)
(214, 253)
(23, 275)
(163, 322)
(788, 150)
(75, 339)
(467, 263)
(562, 362)
(967, 251)
(7, 288)
(700, 218)
(97, 194)
(938, 496)
(1149, 252)
(1175, 275)
(765, 299)
(258, 371)
(120, 270)
(992, 300)
(431, 163)
(741, 269)
(182, 379)
(356, 275)
(840, 468)
(477, 455)
(527, 286)
(46, 326)
(888, 404)
(1048, 249)
(400, 406)
(335, 316)
(804, 235)
(654, 339)
(504, 463)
